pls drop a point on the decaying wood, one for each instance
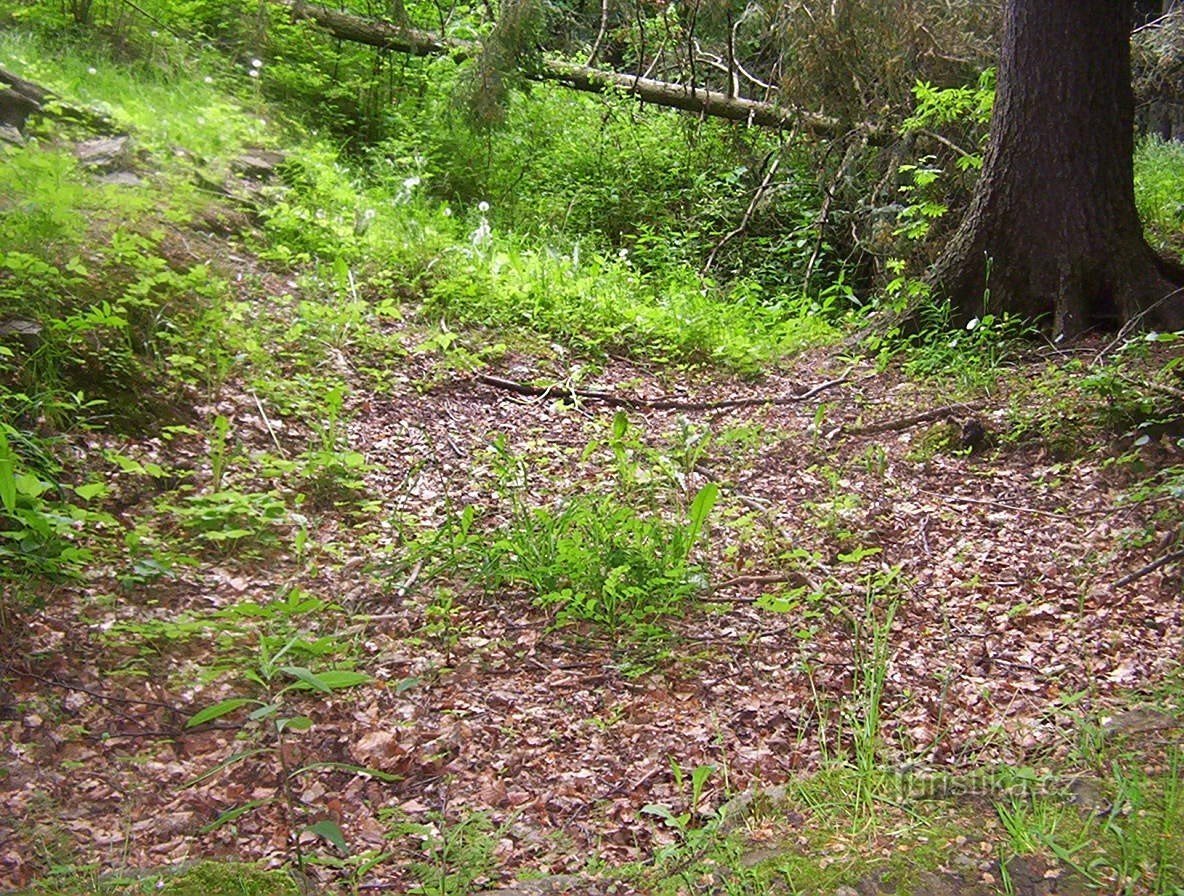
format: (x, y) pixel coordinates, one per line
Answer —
(561, 390)
(912, 420)
(689, 98)
(20, 98)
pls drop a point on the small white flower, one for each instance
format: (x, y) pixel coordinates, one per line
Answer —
(208, 80)
(447, 213)
(254, 73)
(154, 33)
(481, 235)
(622, 254)
(256, 63)
(483, 206)
(411, 183)
(972, 323)
(92, 71)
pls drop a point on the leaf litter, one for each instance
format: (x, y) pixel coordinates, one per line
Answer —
(1008, 630)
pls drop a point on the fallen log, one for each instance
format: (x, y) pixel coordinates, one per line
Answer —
(20, 99)
(688, 98)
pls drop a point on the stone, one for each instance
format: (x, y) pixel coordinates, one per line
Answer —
(105, 153)
(11, 134)
(260, 163)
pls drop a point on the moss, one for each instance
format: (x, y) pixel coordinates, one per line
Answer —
(943, 437)
(201, 879)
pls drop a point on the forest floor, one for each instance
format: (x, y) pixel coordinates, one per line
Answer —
(893, 582)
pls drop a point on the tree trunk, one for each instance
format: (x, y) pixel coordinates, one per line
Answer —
(1052, 231)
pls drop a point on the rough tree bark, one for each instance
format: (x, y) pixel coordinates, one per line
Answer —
(1052, 231)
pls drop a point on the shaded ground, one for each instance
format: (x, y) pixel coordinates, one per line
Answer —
(1010, 637)
(1009, 632)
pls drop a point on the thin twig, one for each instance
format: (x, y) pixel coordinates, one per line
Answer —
(600, 34)
(743, 225)
(933, 135)
(267, 422)
(98, 695)
(959, 499)
(796, 577)
(1152, 386)
(402, 590)
(1131, 324)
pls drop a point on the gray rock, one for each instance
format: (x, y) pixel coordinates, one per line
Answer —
(121, 179)
(105, 153)
(260, 163)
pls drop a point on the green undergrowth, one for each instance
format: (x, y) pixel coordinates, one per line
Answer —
(1159, 172)
(975, 833)
(160, 97)
(201, 879)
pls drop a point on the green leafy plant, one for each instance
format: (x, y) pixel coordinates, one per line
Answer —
(230, 518)
(686, 823)
(39, 526)
(451, 856)
(271, 722)
(596, 559)
(973, 355)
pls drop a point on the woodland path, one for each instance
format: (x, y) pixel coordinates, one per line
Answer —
(1010, 627)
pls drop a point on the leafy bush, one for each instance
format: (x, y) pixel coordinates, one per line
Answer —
(38, 524)
(597, 560)
(601, 305)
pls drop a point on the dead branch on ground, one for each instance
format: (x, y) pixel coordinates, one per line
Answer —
(561, 390)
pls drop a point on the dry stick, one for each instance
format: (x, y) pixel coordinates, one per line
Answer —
(98, 695)
(849, 157)
(1149, 568)
(600, 34)
(1152, 386)
(797, 578)
(959, 499)
(913, 420)
(653, 404)
(267, 422)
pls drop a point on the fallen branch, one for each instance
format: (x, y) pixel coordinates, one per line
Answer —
(912, 420)
(1149, 568)
(559, 390)
(797, 578)
(689, 98)
(1152, 386)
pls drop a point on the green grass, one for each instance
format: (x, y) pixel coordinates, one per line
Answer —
(170, 100)
(1159, 174)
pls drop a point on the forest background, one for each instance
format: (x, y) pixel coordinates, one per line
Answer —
(350, 395)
